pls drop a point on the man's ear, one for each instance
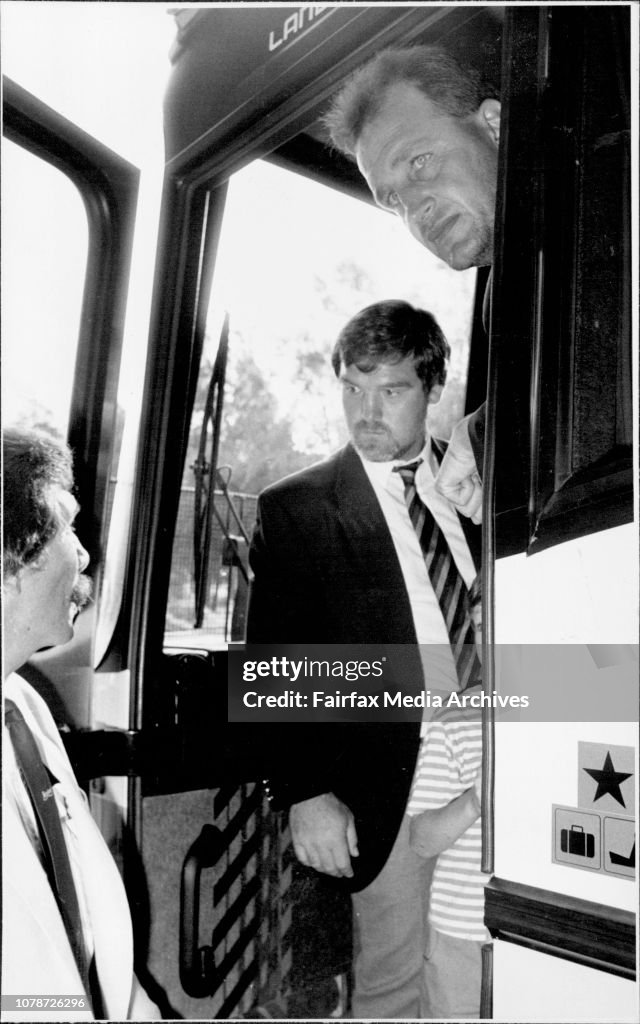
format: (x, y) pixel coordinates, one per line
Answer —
(434, 394)
(489, 114)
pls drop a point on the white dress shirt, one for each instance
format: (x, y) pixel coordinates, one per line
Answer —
(431, 630)
(36, 955)
(16, 792)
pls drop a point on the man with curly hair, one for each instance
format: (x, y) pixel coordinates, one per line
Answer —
(66, 924)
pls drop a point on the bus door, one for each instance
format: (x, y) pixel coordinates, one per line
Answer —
(69, 212)
(269, 243)
(561, 543)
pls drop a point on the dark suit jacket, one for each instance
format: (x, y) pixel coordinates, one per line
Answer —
(326, 571)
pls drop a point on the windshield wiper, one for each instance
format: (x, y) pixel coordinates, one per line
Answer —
(206, 474)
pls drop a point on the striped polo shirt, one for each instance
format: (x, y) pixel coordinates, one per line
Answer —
(449, 760)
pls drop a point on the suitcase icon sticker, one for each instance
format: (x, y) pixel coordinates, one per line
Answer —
(576, 841)
(576, 838)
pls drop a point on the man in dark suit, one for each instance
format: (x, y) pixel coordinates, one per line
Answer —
(424, 131)
(338, 557)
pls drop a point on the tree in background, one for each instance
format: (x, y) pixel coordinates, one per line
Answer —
(256, 442)
(257, 439)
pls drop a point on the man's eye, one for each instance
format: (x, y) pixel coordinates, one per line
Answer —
(420, 161)
(392, 200)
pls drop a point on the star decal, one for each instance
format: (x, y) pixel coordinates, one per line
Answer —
(608, 780)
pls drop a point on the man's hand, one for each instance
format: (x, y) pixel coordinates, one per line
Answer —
(324, 835)
(458, 478)
(438, 828)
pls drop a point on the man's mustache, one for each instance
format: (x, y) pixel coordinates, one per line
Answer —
(371, 425)
(81, 593)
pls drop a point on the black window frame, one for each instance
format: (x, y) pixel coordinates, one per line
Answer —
(192, 209)
(108, 186)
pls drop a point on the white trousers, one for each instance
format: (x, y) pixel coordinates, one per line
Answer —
(390, 933)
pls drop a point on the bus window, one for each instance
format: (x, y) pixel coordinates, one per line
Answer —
(44, 244)
(288, 287)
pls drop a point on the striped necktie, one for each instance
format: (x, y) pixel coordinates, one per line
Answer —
(39, 784)
(448, 585)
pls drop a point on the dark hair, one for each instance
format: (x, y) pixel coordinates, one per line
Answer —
(458, 90)
(34, 462)
(389, 331)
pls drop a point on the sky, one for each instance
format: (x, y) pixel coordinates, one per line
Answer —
(104, 67)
